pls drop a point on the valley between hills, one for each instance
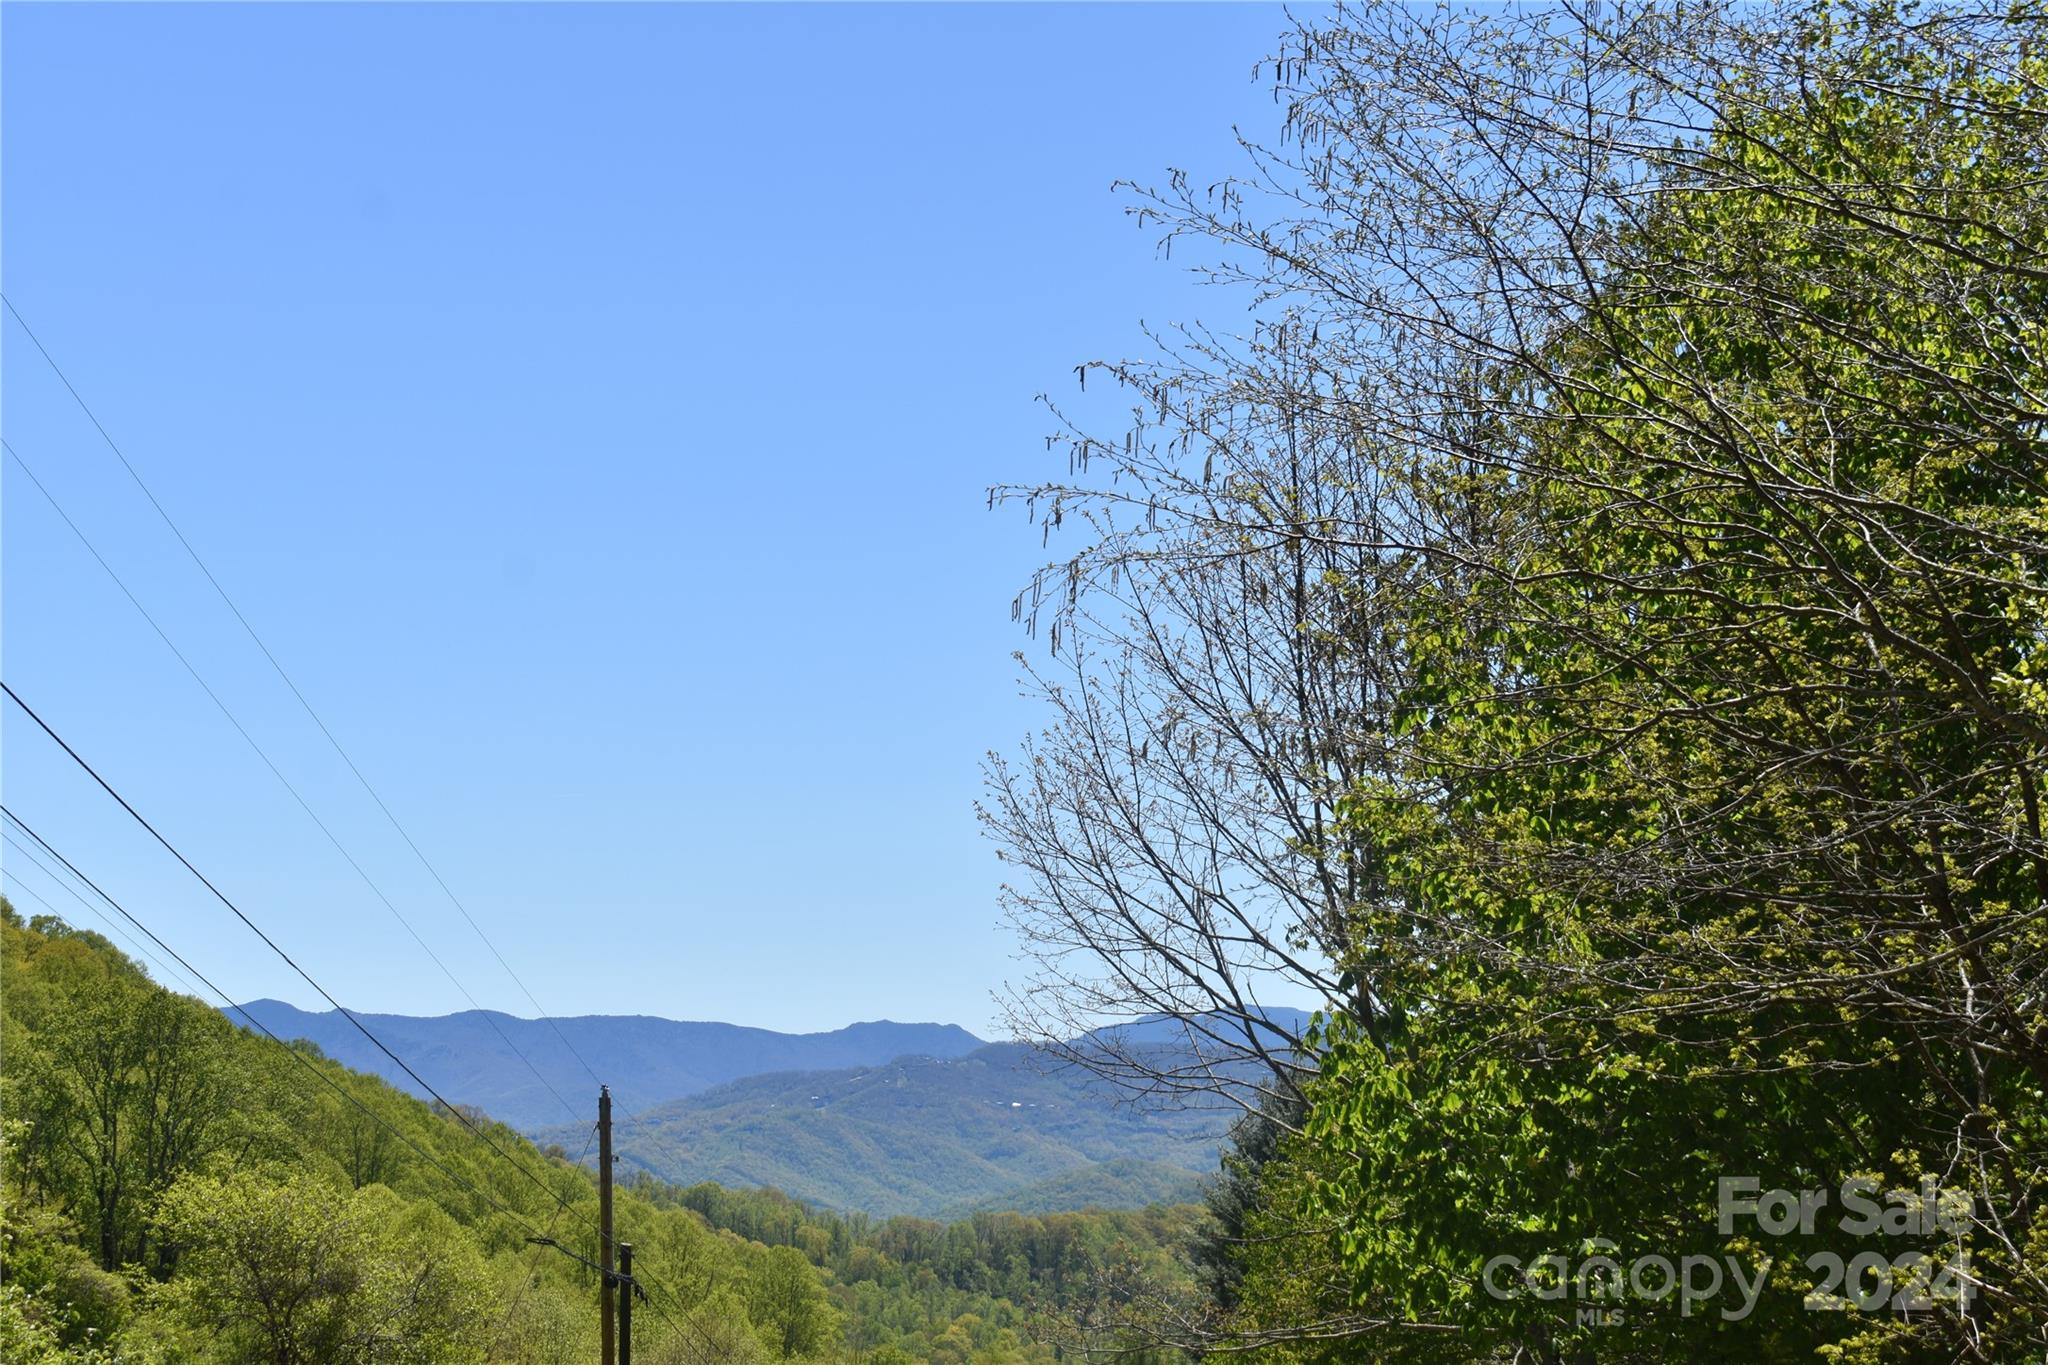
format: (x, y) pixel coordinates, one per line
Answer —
(877, 1118)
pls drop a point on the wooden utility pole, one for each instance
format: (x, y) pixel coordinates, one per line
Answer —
(609, 1294)
(626, 1289)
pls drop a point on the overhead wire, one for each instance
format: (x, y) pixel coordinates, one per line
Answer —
(299, 695)
(272, 944)
(533, 1263)
(278, 773)
(286, 678)
(228, 1003)
(543, 1237)
(21, 886)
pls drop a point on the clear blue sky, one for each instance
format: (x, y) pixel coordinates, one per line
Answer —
(592, 407)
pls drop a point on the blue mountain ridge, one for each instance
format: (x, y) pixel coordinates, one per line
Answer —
(646, 1059)
(1005, 1126)
(879, 1117)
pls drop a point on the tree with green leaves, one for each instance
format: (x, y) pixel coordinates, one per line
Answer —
(788, 1304)
(1672, 380)
(288, 1269)
(326, 1215)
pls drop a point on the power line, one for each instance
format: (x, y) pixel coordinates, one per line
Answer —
(23, 887)
(225, 999)
(271, 943)
(228, 1002)
(561, 1205)
(533, 1263)
(655, 1303)
(278, 773)
(403, 833)
(332, 740)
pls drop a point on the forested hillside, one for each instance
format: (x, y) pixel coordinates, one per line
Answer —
(907, 1118)
(1002, 1127)
(1587, 621)
(178, 1189)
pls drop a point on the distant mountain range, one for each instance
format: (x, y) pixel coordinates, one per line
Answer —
(883, 1118)
(647, 1060)
(1001, 1127)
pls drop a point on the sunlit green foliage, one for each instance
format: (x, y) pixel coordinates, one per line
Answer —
(1712, 841)
(178, 1190)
